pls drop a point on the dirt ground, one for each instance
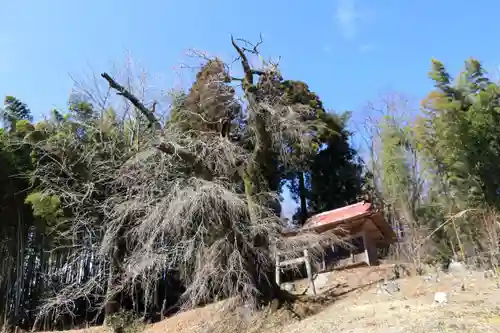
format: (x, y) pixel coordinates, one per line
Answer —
(473, 305)
(353, 302)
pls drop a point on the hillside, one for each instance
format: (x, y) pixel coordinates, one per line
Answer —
(359, 306)
(412, 309)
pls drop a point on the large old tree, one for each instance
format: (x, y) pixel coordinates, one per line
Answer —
(193, 199)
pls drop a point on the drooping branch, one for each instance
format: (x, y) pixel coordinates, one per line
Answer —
(122, 91)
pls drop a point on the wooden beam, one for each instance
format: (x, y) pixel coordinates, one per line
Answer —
(291, 262)
(296, 250)
(366, 245)
(278, 271)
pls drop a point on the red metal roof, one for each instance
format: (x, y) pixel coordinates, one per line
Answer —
(339, 215)
(330, 220)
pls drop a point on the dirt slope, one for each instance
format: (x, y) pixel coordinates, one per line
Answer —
(474, 309)
(473, 306)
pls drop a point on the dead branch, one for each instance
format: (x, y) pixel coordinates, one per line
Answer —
(249, 71)
(254, 47)
(122, 91)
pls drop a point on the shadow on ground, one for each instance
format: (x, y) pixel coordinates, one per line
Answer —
(305, 305)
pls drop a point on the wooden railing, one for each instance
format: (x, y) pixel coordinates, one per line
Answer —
(305, 259)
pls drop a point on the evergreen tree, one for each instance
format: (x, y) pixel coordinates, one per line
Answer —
(336, 175)
(13, 111)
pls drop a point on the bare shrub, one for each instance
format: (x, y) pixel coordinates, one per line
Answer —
(200, 227)
(489, 239)
(415, 247)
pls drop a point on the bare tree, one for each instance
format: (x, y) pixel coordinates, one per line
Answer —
(245, 218)
(397, 177)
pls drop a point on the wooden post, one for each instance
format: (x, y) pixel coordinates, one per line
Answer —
(366, 245)
(309, 270)
(278, 273)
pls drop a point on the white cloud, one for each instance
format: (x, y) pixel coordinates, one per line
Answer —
(350, 16)
(347, 16)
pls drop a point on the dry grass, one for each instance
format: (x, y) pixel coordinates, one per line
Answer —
(412, 309)
(359, 308)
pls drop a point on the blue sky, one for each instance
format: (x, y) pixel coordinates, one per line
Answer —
(348, 51)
